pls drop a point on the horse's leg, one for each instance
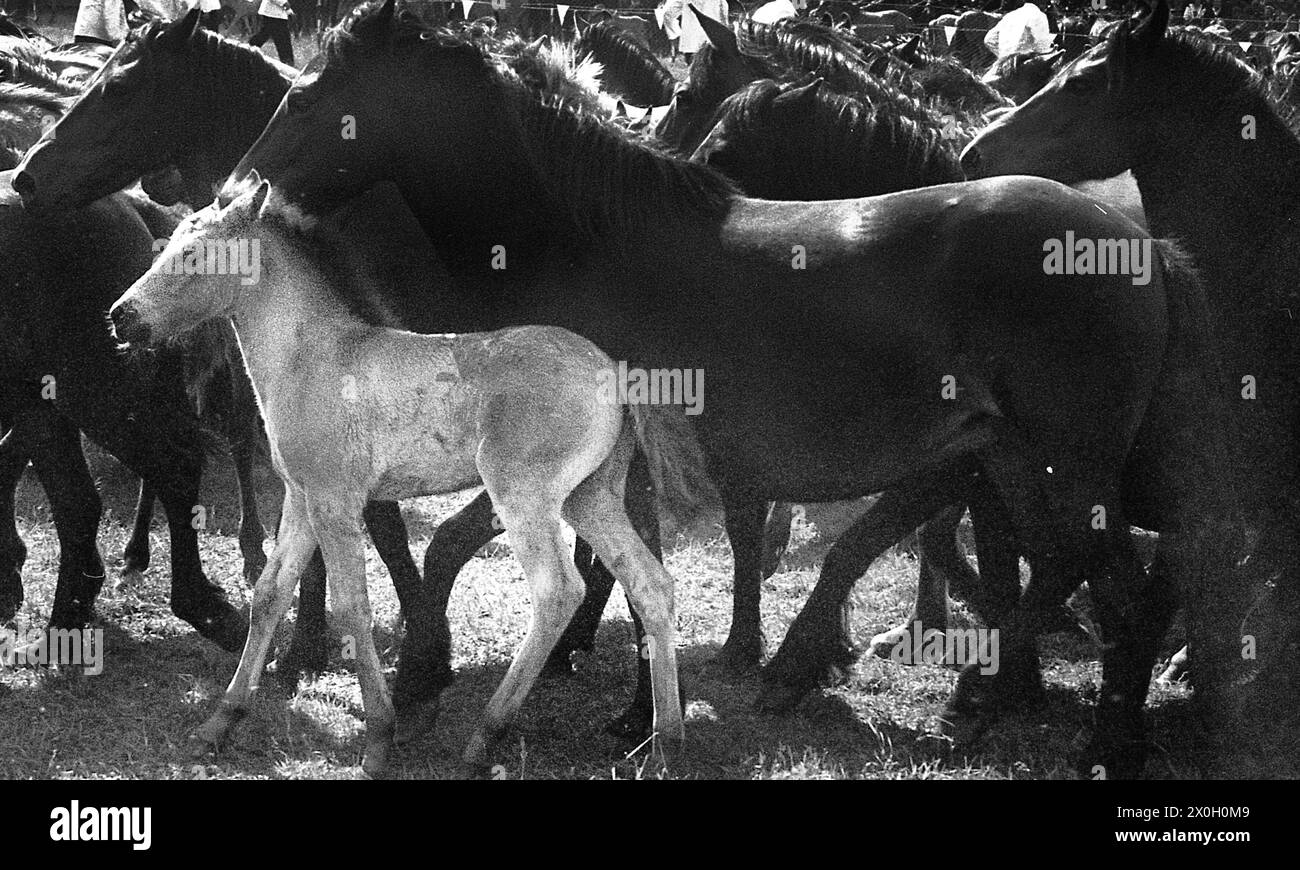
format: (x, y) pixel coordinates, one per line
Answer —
(817, 647)
(135, 556)
(537, 539)
(243, 451)
(60, 465)
(333, 519)
(596, 509)
(942, 565)
(743, 650)
(643, 511)
(421, 681)
(418, 687)
(581, 632)
(776, 536)
(308, 652)
(294, 545)
(13, 552)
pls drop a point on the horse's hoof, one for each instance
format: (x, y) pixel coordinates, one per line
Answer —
(737, 659)
(779, 698)
(559, 665)
(129, 578)
(963, 728)
(416, 721)
(883, 644)
(9, 604)
(1176, 669)
(228, 628)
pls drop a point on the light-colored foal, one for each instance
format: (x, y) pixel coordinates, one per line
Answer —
(357, 412)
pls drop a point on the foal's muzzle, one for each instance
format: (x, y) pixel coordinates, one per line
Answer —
(127, 325)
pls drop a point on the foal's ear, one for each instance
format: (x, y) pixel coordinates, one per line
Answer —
(258, 202)
(718, 34)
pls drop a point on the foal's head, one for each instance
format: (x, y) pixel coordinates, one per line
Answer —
(209, 268)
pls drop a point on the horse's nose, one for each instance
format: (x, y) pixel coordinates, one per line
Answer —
(24, 185)
(127, 325)
(970, 160)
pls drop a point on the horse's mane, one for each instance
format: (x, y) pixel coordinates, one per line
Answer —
(626, 59)
(22, 63)
(847, 139)
(227, 70)
(22, 107)
(844, 61)
(613, 182)
(1220, 76)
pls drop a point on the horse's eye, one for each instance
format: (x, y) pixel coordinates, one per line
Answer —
(299, 101)
(683, 97)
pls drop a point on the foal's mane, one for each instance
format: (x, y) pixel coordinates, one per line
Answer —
(613, 183)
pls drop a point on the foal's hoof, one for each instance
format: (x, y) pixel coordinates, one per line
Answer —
(416, 720)
(476, 755)
(374, 764)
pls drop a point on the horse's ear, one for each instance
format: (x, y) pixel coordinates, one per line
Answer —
(258, 202)
(180, 30)
(910, 52)
(718, 34)
(802, 93)
(385, 17)
(1151, 29)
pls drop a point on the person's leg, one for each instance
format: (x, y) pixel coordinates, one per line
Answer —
(263, 31)
(283, 41)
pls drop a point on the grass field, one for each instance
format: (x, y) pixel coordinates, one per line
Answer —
(160, 679)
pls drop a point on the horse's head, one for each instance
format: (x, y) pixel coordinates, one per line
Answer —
(1087, 121)
(349, 119)
(718, 70)
(197, 276)
(92, 151)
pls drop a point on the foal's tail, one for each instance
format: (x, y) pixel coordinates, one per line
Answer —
(678, 467)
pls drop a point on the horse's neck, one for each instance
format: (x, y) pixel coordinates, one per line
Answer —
(281, 320)
(1224, 197)
(238, 110)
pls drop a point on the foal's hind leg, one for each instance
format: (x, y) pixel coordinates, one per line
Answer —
(272, 596)
(537, 539)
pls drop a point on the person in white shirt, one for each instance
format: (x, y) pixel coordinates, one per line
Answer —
(274, 18)
(102, 21)
(677, 19)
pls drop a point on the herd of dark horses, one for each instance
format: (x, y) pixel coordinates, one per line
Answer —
(1175, 406)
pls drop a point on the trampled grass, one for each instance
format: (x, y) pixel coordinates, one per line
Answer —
(160, 679)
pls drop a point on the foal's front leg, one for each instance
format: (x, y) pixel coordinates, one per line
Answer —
(272, 596)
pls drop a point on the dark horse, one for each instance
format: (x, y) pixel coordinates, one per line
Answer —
(1219, 168)
(136, 117)
(826, 330)
(63, 373)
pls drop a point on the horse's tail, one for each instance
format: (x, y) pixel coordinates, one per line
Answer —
(678, 467)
